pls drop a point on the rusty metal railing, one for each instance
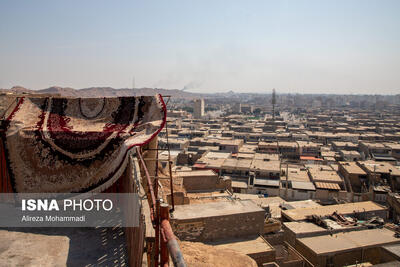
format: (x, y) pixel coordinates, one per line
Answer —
(165, 241)
(149, 184)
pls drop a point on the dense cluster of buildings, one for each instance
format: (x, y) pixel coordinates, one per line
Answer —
(316, 184)
(276, 189)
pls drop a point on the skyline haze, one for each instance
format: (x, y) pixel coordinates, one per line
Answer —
(343, 47)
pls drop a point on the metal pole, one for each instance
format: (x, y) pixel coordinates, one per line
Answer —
(280, 174)
(164, 215)
(157, 217)
(157, 235)
(170, 167)
(150, 185)
(287, 178)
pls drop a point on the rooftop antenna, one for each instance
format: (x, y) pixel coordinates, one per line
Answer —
(273, 101)
(133, 85)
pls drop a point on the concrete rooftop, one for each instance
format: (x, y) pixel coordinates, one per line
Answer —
(347, 241)
(247, 246)
(212, 209)
(348, 208)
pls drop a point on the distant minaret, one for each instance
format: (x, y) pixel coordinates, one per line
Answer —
(273, 100)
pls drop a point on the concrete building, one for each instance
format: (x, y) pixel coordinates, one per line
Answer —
(328, 183)
(356, 179)
(198, 109)
(395, 147)
(371, 149)
(341, 145)
(309, 148)
(203, 180)
(365, 210)
(350, 155)
(218, 220)
(268, 147)
(343, 249)
(289, 150)
(298, 185)
(232, 146)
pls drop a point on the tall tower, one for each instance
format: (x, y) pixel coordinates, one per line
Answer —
(133, 85)
(198, 110)
(273, 100)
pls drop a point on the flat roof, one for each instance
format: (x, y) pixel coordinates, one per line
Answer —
(205, 197)
(230, 163)
(242, 155)
(350, 152)
(352, 168)
(217, 155)
(213, 209)
(318, 174)
(29, 249)
(380, 167)
(266, 182)
(239, 184)
(174, 140)
(392, 145)
(244, 164)
(303, 227)
(383, 157)
(348, 208)
(273, 202)
(393, 249)
(230, 142)
(303, 185)
(271, 165)
(308, 144)
(63, 246)
(248, 148)
(372, 145)
(196, 173)
(247, 246)
(300, 204)
(204, 162)
(266, 156)
(296, 174)
(348, 241)
(328, 153)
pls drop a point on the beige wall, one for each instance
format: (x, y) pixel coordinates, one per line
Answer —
(219, 227)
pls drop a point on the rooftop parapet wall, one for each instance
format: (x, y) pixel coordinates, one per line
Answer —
(218, 220)
(366, 209)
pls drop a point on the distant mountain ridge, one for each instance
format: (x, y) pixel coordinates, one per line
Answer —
(175, 93)
(105, 92)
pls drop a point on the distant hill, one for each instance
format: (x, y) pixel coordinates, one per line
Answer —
(105, 92)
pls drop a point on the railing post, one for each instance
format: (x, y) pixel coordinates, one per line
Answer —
(172, 244)
(157, 235)
(164, 215)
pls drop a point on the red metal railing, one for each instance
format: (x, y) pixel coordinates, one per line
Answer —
(165, 241)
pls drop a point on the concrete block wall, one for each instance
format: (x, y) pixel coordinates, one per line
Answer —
(263, 257)
(198, 183)
(206, 183)
(219, 227)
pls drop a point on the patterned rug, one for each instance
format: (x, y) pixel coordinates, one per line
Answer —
(75, 144)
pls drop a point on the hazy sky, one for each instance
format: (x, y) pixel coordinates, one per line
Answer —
(249, 46)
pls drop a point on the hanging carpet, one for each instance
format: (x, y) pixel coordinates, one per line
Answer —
(53, 145)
